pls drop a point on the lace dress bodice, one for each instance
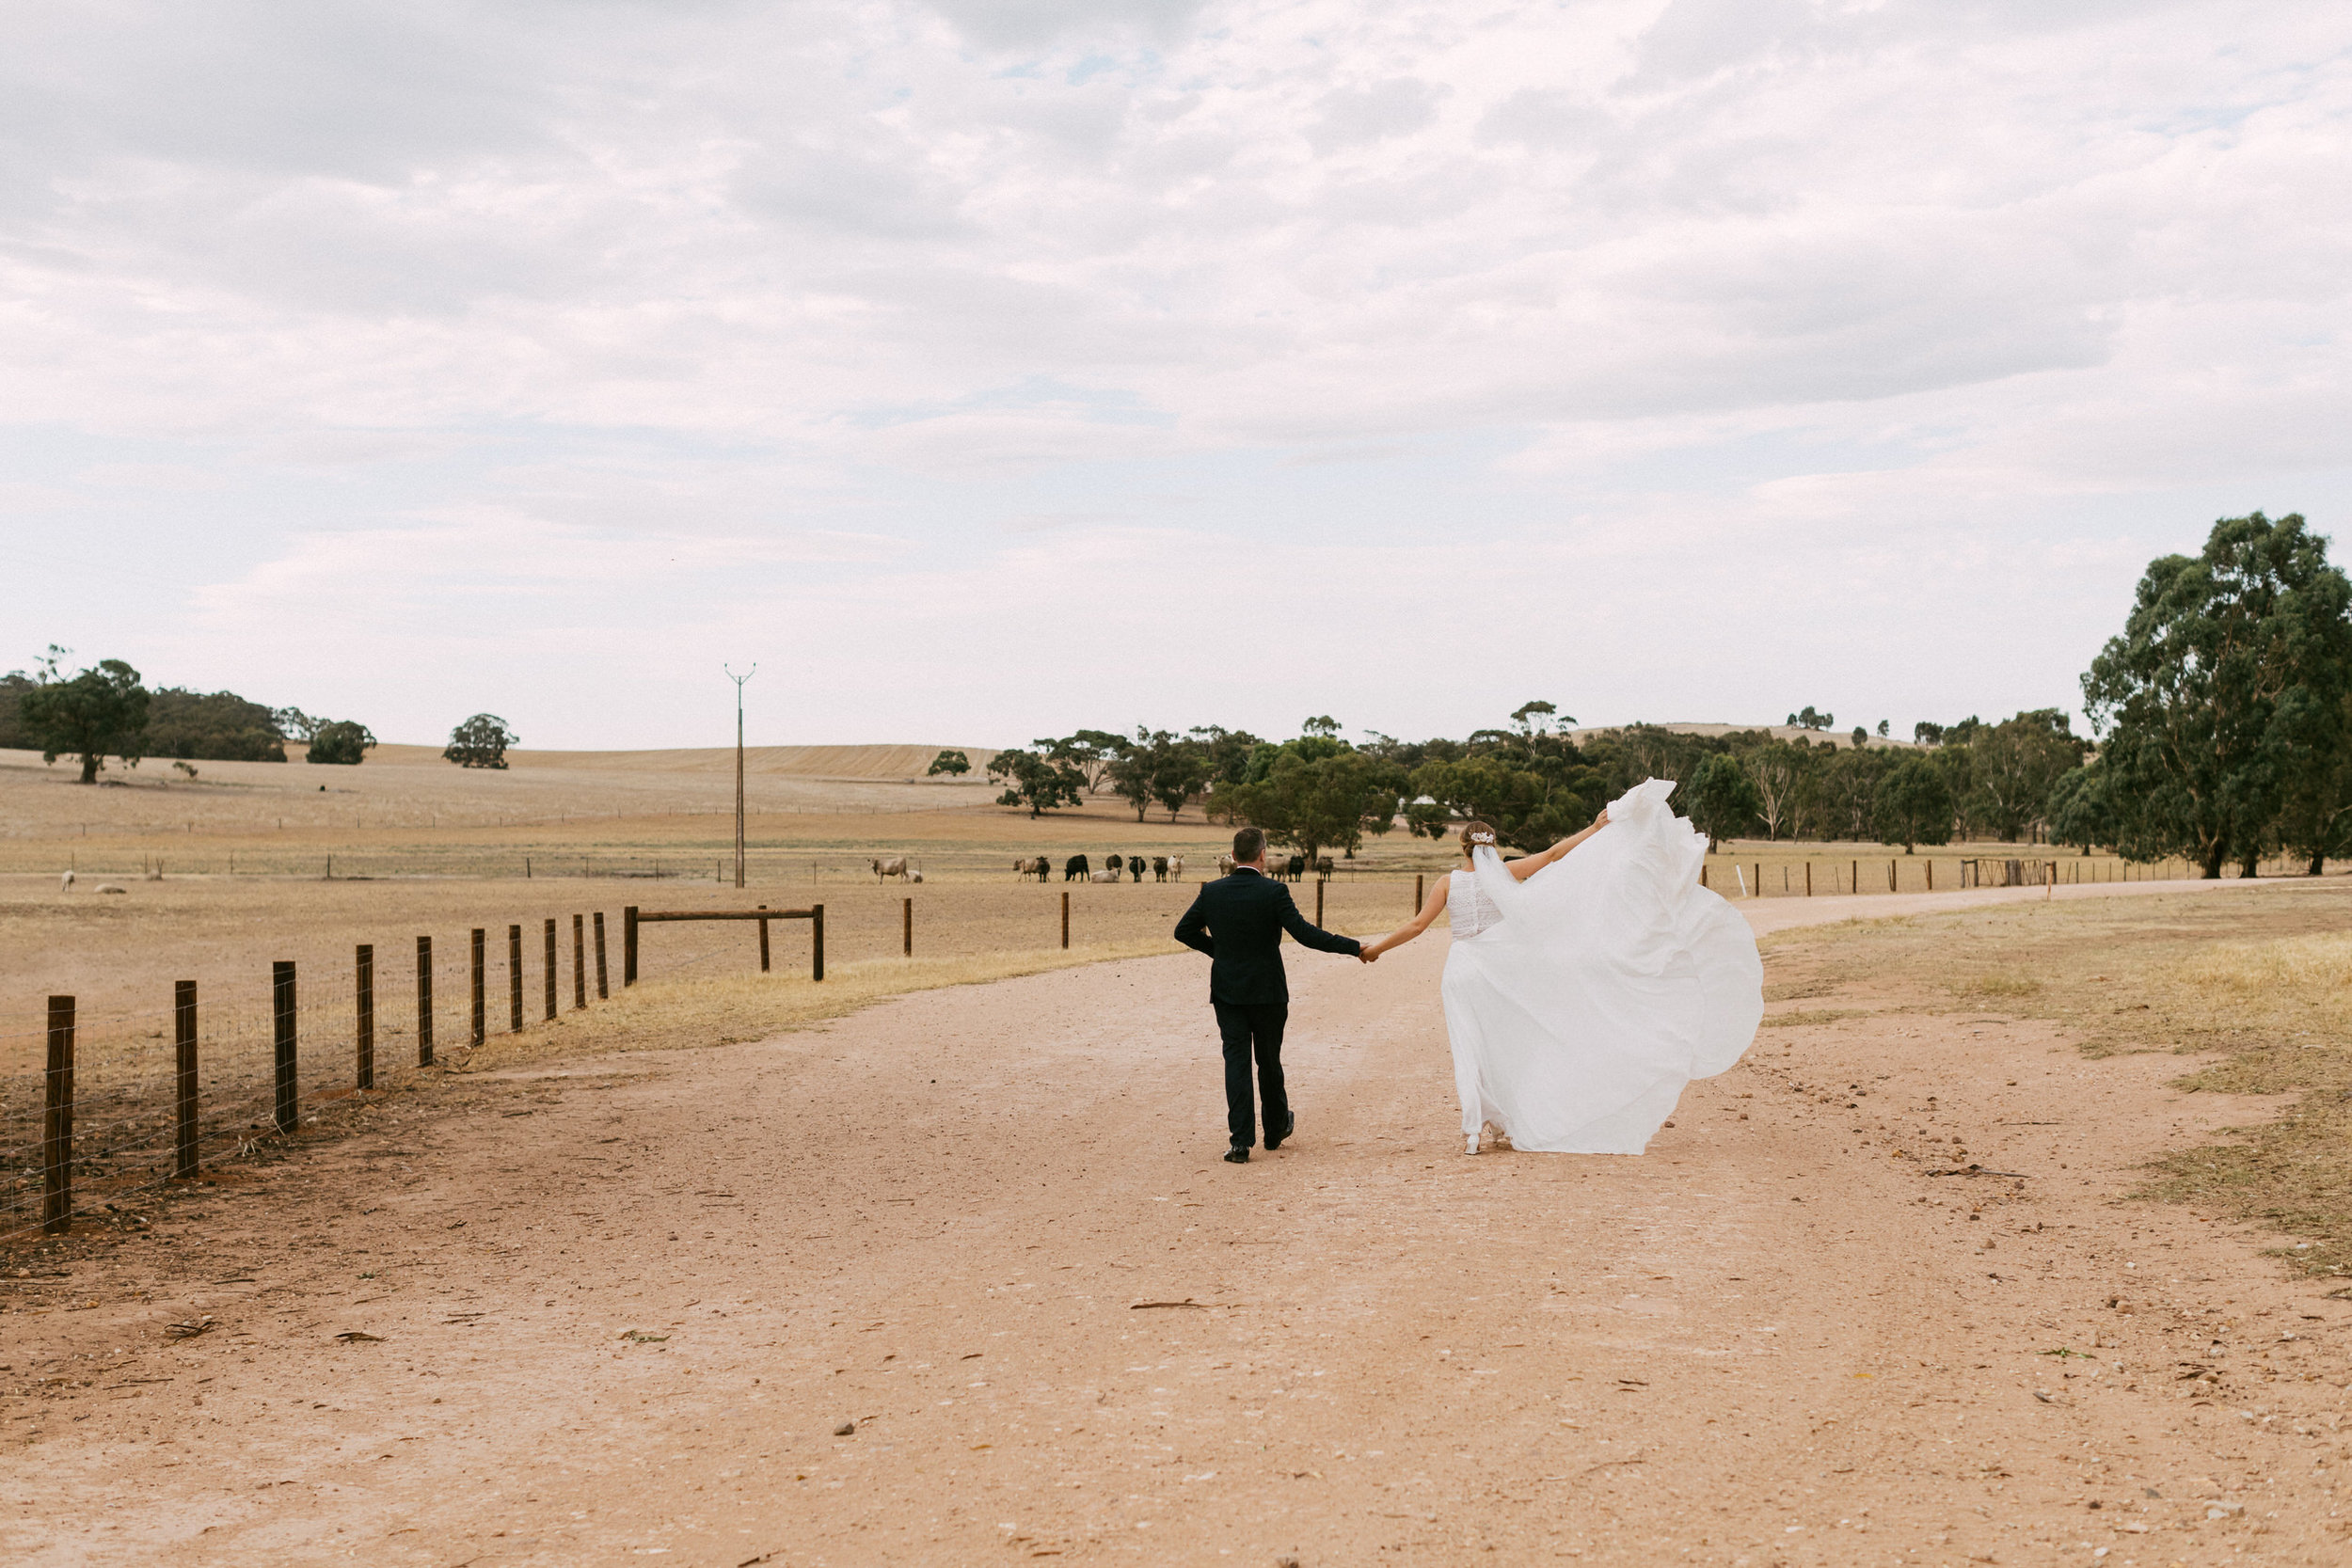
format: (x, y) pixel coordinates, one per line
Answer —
(1472, 910)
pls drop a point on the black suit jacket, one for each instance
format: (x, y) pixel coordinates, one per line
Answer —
(1238, 921)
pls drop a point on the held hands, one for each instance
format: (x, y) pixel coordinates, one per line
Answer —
(1369, 952)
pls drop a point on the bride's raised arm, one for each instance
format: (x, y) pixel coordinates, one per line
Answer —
(1412, 927)
(1527, 865)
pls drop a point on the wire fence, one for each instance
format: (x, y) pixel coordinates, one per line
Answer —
(1833, 865)
(1777, 873)
(128, 1101)
(411, 818)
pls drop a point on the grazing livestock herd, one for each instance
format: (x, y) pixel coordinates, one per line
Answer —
(1289, 870)
(1078, 868)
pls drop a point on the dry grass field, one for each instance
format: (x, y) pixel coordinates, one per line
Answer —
(816, 814)
(2258, 987)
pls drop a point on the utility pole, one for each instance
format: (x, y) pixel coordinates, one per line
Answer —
(738, 681)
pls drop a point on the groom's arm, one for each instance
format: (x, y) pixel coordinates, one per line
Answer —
(1193, 930)
(1307, 934)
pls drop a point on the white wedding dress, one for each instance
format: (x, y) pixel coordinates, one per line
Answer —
(1581, 1001)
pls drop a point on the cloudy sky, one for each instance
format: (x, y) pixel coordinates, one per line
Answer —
(987, 368)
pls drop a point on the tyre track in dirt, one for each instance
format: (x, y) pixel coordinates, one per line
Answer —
(1772, 1340)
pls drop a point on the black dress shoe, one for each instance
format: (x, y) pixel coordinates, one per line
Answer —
(1288, 1128)
(1238, 1154)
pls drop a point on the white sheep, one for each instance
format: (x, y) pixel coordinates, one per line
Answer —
(64, 883)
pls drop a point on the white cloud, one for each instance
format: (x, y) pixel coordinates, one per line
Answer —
(868, 301)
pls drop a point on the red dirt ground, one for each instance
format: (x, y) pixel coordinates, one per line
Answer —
(618, 1309)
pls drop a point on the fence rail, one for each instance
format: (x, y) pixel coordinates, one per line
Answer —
(632, 917)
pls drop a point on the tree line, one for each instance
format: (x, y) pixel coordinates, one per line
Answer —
(2222, 734)
(106, 710)
(1535, 783)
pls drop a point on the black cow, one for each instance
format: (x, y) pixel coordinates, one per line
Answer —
(1295, 867)
(1074, 870)
(1135, 868)
(1159, 868)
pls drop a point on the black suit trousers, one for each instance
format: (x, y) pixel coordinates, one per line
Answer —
(1253, 1031)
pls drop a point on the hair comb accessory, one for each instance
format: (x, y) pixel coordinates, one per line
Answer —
(1481, 838)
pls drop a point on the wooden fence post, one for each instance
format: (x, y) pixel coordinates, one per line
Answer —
(1065, 922)
(817, 941)
(1855, 878)
(514, 978)
(549, 934)
(601, 992)
(1808, 879)
(57, 1126)
(763, 944)
(579, 966)
(480, 985)
(183, 1043)
(1702, 873)
(282, 1015)
(363, 1023)
(424, 1001)
(1929, 864)
(1416, 892)
(905, 928)
(628, 946)
(1759, 892)
(1890, 875)
(1319, 885)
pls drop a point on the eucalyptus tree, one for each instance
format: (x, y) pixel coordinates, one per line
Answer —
(96, 714)
(2226, 691)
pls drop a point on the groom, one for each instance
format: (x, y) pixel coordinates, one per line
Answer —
(1238, 921)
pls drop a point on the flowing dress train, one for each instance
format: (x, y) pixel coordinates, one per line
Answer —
(1579, 1001)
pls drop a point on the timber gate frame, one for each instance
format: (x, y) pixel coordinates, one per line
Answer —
(632, 917)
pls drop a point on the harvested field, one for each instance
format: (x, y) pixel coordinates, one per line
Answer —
(670, 815)
(405, 800)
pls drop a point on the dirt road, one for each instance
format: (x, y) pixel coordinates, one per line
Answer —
(622, 1309)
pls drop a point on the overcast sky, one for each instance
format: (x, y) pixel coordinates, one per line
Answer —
(989, 368)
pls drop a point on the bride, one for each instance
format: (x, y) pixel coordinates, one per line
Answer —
(1587, 984)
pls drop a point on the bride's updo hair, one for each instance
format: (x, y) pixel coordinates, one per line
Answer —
(1477, 833)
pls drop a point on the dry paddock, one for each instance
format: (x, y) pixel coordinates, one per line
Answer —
(119, 955)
